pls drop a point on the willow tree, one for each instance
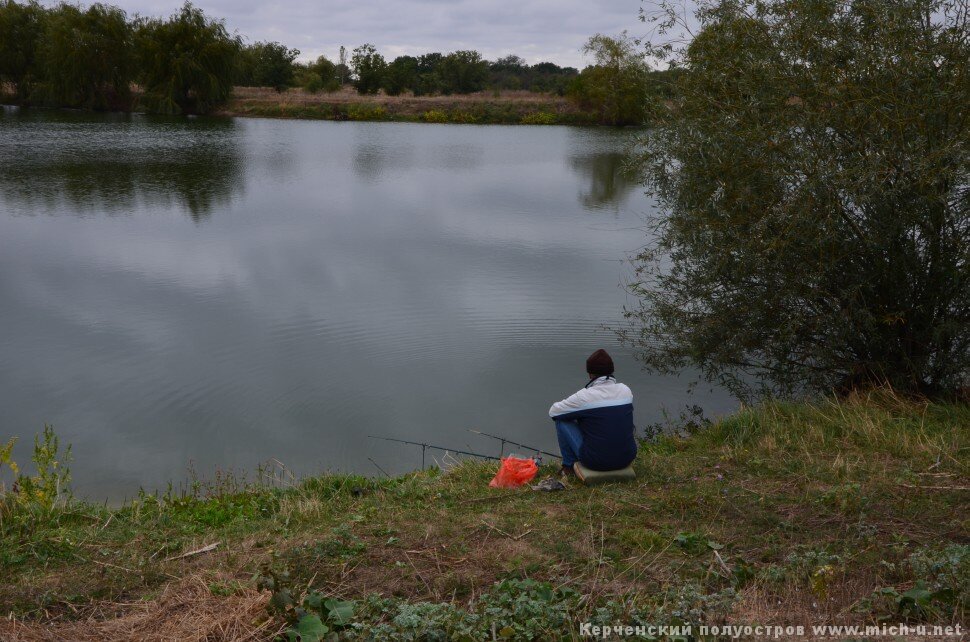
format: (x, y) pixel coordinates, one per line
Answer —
(186, 62)
(21, 31)
(812, 183)
(87, 57)
(614, 87)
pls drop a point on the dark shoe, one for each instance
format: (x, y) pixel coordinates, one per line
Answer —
(567, 471)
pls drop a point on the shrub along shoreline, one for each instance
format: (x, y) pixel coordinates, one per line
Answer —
(839, 511)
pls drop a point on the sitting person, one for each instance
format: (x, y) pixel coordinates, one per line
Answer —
(595, 425)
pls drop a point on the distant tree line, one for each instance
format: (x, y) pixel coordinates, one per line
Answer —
(91, 58)
(618, 87)
(458, 72)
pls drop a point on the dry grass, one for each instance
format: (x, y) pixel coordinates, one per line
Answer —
(186, 611)
(481, 107)
(348, 95)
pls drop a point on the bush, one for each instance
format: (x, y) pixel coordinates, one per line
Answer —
(539, 118)
(47, 488)
(434, 116)
(366, 112)
(812, 179)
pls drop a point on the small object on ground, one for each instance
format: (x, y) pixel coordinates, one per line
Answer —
(514, 472)
(198, 551)
(592, 477)
(549, 484)
(567, 471)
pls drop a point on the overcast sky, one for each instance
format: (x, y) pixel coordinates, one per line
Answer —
(537, 30)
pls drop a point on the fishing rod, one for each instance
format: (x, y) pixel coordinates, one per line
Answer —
(514, 443)
(425, 447)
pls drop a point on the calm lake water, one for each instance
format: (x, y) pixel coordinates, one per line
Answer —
(216, 293)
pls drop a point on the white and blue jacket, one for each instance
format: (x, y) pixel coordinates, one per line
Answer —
(604, 412)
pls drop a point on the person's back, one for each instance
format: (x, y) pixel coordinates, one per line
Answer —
(595, 425)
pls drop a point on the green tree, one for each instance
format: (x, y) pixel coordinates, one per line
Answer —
(87, 57)
(462, 72)
(548, 76)
(428, 81)
(320, 74)
(614, 87)
(21, 29)
(369, 68)
(273, 65)
(244, 68)
(187, 62)
(813, 179)
(401, 75)
(508, 72)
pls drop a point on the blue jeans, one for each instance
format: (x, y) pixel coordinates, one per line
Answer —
(570, 441)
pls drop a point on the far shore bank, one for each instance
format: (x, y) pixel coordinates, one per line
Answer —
(482, 108)
(488, 107)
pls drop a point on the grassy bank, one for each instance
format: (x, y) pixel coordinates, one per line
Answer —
(835, 512)
(505, 107)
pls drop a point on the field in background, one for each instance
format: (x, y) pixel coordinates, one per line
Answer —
(487, 107)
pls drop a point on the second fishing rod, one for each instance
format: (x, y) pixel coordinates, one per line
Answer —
(425, 447)
(505, 440)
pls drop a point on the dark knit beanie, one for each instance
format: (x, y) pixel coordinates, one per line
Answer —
(599, 363)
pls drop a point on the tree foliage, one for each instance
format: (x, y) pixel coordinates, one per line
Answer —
(21, 28)
(512, 72)
(814, 198)
(274, 65)
(402, 74)
(317, 75)
(462, 72)
(86, 57)
(266, 64)
(186, 62)
(615, 85)
(369, 68)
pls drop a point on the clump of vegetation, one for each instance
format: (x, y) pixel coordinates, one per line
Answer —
(270, 64)
(539, 118)
(615, 86)
(44, 491)
(90, 58)
(942, 587)
(366, 112)
(186, 62)
(814, 225)
(435, 116)
(519, 609)
(85, 57)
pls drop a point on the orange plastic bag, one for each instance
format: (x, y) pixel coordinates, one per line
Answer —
(514, 472)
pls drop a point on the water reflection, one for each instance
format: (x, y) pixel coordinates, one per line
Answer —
(353, 279)
(65, 162)
(607, 176)
(378, 152)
